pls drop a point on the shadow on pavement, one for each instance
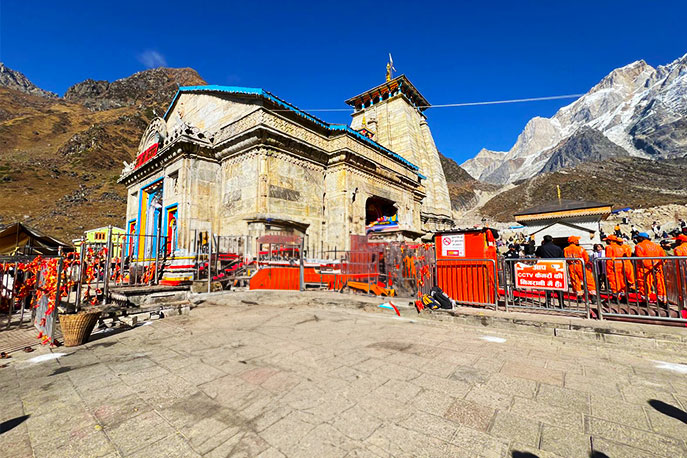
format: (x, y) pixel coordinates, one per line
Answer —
(106, 332)
(519, 454)
(11, 424)
(102, 332)
(667, 409)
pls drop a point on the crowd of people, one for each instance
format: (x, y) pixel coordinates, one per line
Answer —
(620, 273)
(663, 236)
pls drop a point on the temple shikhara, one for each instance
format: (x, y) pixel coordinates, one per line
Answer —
(241, 161)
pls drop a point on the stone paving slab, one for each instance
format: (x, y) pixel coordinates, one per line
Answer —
(238, 379)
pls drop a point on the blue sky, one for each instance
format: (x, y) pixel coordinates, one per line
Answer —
(317, 55)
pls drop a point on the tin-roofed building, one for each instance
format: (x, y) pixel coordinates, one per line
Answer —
(563, 218)
(241, 161)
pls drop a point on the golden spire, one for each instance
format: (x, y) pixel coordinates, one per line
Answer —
(558, 190)
(389, 68)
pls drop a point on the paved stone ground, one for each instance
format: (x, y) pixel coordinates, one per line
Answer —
(242, 379)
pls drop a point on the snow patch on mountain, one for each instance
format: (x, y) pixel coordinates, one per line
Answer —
(641, 109)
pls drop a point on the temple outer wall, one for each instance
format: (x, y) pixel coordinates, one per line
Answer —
(399, 126)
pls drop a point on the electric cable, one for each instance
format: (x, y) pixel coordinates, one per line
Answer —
(460, 104)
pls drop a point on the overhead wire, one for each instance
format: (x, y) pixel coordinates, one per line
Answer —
(464, 104)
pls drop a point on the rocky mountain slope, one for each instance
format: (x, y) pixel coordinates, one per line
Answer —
(463, 189)
(150, 89)
(13, 79)
(636, 110)
(61, 157)
(622, 182)
(586, 145)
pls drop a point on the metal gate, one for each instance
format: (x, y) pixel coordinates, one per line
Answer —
(279, 263)
(469, 281)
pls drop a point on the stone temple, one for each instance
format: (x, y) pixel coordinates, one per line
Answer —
(241, 161)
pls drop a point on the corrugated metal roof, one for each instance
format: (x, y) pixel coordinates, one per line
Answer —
(276, 100)
(560, 206)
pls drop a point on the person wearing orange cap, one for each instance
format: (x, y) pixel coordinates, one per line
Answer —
(614, 268)
(681, 248)
(628, 269)
(650, 276)
(576, 269)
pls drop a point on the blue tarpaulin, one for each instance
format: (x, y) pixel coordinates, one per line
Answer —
(615, 212)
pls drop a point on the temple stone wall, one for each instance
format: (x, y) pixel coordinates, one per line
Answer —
(134, 194)
(203, 198)
(132, 203)
(337, 208)
(436, 180)
(294, 187)
(347, 191)
(399, 126)
(207, 112)
(239, 193)
(269, 172)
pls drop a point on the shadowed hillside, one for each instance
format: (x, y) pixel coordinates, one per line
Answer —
(461, 186)
(622, 182)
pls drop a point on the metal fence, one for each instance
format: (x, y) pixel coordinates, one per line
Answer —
(574, 299)
(279, 263)
(123, 260)
(642, 288)
(30, 287)
(389, 268)
(12, 280)
(221, 258)
(409, 268)
(469, 281)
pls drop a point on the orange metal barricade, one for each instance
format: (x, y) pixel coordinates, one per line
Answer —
(276, 278)
(466, 266)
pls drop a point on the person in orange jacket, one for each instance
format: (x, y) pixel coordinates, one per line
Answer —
(650, 276)
(576, 269)
(615, 268)
(628, 268)
(681, 248)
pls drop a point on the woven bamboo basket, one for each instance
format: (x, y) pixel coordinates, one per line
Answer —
(77, 327)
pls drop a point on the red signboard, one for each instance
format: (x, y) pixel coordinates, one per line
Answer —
(146, 155)
(542, 275)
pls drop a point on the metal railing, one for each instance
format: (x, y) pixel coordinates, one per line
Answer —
(469, 281)
(575, 298)
(30, 286)
(11, 281)
(409, 268)
(642, 288)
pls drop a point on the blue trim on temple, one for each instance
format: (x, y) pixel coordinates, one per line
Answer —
(345, 128)
(422, 176)
(273, 98)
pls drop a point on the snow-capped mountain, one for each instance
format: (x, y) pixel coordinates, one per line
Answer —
(635, 110)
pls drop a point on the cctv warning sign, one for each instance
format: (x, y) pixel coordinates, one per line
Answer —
(544, 274)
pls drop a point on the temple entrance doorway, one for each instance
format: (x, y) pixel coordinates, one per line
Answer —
(377, 207)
